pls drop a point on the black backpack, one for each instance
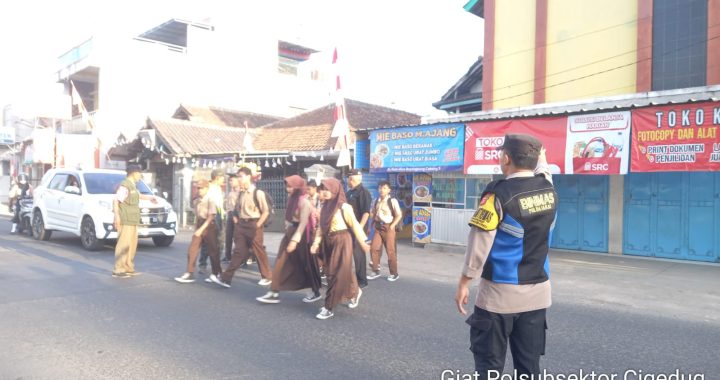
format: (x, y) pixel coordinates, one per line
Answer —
(270, 204)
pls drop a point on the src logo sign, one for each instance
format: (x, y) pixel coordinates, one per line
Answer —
(486, 148)
(596, 167)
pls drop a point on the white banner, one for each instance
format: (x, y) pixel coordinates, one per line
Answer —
(598, 143)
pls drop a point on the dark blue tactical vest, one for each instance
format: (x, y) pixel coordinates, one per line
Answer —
(519, 254)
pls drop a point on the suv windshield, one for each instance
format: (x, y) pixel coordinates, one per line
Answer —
(107, 183)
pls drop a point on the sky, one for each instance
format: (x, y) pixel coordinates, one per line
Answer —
(398, 53)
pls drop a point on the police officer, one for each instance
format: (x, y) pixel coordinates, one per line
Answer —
(508, 250)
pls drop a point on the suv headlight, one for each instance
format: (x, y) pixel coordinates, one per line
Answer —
(168, 209)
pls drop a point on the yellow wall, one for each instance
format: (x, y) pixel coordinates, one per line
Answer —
(587, 37)
(514, 57)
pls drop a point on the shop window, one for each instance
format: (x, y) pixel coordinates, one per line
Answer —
(679, 45)
(475, 188)
(448, 193)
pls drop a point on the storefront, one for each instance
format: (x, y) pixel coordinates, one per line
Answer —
(672, 196)
(584, 152)
(412, 158)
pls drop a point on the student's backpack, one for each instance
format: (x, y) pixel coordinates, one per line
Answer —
(270, 204)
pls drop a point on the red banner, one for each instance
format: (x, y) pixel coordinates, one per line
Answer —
(679, 137)
(483, 137)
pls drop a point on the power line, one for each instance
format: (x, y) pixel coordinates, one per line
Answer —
(598, 72)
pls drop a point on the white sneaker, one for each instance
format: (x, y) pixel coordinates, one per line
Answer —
(310, 298)
(393, 277)
(218, 281)
(186, 278)
(373, 275)
(324, 314)
(264, 282)
(269, 297)
(355, 301)
(209, 280)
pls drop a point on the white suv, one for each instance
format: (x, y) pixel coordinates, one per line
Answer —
(80, 202)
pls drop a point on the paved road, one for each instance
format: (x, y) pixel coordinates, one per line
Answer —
(64, 317)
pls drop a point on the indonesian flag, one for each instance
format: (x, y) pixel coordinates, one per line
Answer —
(341, 130)
(77, 101)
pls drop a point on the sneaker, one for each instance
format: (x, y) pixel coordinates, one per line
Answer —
(250, 262)
(187, 277)
(312, 297)
(393, 277)
(355, 301)
(209, 280)
(269, 297)
(264, 282)
(324, 314)
(120, 275)
(133, 273)
(218, 281)
(373, 275)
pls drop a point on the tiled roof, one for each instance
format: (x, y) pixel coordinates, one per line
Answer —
(360, 116)
(223, 116)
(295, 139)
(193, 138)
(311, 130)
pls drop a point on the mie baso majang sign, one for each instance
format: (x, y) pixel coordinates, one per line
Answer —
(417, 149)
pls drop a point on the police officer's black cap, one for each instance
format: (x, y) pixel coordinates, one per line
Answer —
(354, 172)
(133, 168)
(521, 145)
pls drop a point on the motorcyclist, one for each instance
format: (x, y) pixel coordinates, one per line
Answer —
(21, 190)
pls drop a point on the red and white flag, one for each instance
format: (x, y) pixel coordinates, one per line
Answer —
(341, 129)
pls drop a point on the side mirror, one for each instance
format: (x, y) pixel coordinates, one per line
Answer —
(72, 190)
(165, 194)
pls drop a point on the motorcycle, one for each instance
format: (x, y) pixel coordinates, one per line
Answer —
(26, 210)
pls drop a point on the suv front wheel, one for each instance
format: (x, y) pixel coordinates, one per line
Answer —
(87, 235)
(38, 226)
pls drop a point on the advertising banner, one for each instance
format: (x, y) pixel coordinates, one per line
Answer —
(422, 188)
(7, 135)
(421, 225)
(482, 139)
(678, 137)
(417, 149)
(598, 143)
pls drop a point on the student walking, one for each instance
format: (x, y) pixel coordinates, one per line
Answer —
(337, 223)
(295, 268)
(386, 216)
(205, 233)
(251, 212)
